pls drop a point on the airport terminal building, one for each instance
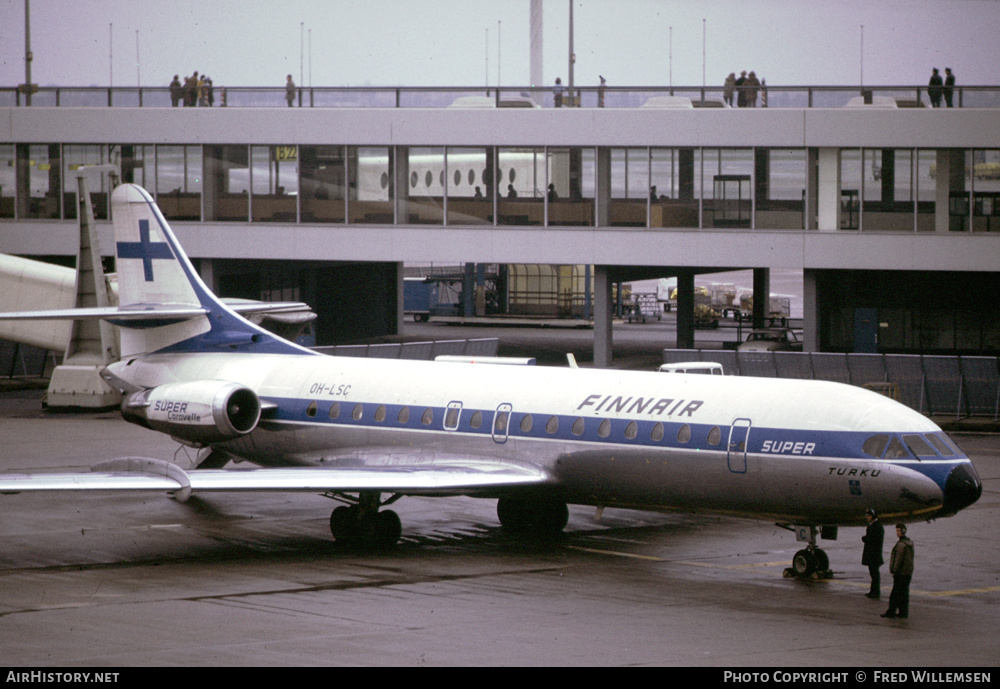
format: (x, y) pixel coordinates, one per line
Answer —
(892, 213)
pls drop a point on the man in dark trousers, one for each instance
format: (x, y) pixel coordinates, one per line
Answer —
(901, 567)
(935, 87)
(872, 556)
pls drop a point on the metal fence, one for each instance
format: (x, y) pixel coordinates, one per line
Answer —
(795, 96)
(933, 385)
(24, 361)
(416, 350)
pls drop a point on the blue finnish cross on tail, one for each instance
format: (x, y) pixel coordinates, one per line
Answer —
(145, 249)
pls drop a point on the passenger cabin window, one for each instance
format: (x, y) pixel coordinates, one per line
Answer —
(335, 410)
(656, 435)
(552, 425)
(684, 434)
(632, 430)
(715, 436)
(604, 430)
(477, 420)
(428, 418)
(578, 427)
(358, 412)
(380, 413)
(875, 445)
(451, 418)
(500, 422)
(404, 415)
(526, 423)
(311, 411)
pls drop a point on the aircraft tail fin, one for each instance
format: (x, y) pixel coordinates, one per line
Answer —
(164, 305)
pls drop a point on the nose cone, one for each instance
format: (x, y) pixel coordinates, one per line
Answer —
(962, 488)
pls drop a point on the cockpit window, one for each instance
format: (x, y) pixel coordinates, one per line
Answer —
(918, 446)
(939, 445)
(943, 437)
(875, 445)
(896, 449)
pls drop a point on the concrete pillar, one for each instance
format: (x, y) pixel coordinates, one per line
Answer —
(206, 271)
(811, 196)
(603, 190)
(603, 307)
(888, 175)
(761, 174)
(949, 176)
(828, 189)
(469, 291)
(685, 174)
(685, 310)
(810, 311)
(399, 297)
(761, 296)
(399, 170)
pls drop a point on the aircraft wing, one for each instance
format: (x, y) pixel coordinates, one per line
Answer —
(112, 313)
(246, 306)
(140, 473)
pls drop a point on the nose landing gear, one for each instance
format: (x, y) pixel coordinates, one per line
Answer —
(810, 562)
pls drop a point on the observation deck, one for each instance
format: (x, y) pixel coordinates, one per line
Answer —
(655, 183)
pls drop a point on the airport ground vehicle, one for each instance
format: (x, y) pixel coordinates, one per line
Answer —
(708, 368)
(772, 340)
(643, 307)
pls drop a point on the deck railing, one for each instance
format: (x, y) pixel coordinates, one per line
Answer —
(444, 96)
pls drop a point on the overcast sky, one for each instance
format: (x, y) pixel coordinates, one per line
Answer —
(454, 42)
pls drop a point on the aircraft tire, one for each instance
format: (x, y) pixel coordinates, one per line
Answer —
(388, 528)
(342, 523)
(804, 563)
(822, 560)
(540, 516)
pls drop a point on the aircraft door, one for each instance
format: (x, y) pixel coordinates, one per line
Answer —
(501, 423)
(739, 435)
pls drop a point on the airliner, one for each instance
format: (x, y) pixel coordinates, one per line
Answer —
(269, 415)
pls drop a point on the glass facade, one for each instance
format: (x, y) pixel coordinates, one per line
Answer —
(322, 184)
(881, 190)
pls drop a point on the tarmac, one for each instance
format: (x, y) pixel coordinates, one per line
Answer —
(110, 581)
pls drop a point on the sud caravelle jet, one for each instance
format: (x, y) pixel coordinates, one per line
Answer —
(807, 454)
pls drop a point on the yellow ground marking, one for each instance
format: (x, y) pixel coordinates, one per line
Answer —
(783, 564)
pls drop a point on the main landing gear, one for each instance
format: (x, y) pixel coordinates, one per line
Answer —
(541, 516)
(361, 523)
(810, 562)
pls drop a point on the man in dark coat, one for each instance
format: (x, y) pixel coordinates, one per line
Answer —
(872, 556)
(935, 87)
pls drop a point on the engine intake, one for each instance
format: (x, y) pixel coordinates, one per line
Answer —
(197, 413)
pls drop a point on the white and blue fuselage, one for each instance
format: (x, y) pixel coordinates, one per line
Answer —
(805, 452)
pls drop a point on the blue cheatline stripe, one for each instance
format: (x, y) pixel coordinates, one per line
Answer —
(828, 445)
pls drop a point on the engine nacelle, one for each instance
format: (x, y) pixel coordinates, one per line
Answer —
(196, 413)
